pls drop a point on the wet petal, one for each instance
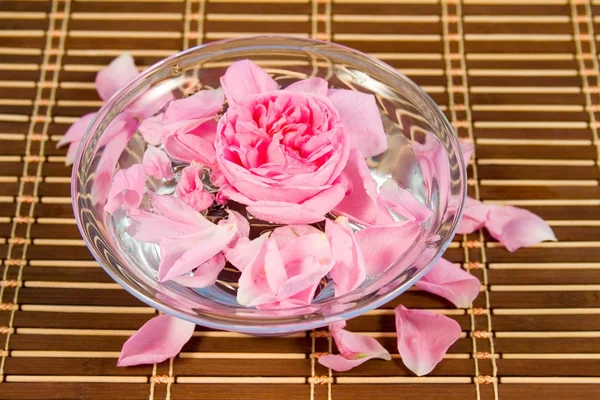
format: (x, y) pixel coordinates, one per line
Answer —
(313, 85)
(237, 219)
(403, 202)
(190, 188)
(362, 119)
(127, 189)
(424, 338)
(182, 254)
(515, 227)
(362, 203)
(349, 270)
(383, 245)
(451, 282)
(205, 103)
(157, 164)
(119, 73)
(244, 78)
(158, 340)
(205, 275)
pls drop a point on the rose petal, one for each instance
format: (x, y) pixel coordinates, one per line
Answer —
(349, 270)
(355, 349)
(119, 73)
(153, 100)
(362, 203)
(203, 104)
(475, 215)
(197, 146)
(451, 282)
(205, 275)
(403, 202)
(262, 270)
(76, 131)
(311, 211)
(127, 189)
(157, 164)
(362, 118)
(182, 254)
(383, 245)
(467, 149)
(116, 138)
(156, 341)
(244, 78)
(171, 217)
(515, 227)
(242, 224)
(313, 85)
(424, 338)
(284, 235)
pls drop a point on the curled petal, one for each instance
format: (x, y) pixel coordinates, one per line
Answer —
(180, 255)
(383, 245)
(349, 270)
(244, 78)
(515, 227)
(451, 282)
(158, 340)
(127, 189)
(205, 275)
(362, 203)
(362, 119)
(191, 189)
(262, 269)
(157, 164)
(424, 338)
(313, 85)
(119, 73)
(403, 202)
(237, 219)
(474, 217)
(355, 349)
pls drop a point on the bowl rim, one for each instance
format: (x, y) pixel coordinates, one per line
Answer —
(276, 327)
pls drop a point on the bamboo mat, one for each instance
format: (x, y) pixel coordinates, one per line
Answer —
(521, 78)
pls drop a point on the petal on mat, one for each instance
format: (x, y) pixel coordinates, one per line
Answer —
(355, 349)
(424, 338)
(119, 73)
(158, 340)
(244, 78)
(475, 215)
(451, 282)
(515, 227)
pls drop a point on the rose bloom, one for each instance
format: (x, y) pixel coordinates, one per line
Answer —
(282, 152)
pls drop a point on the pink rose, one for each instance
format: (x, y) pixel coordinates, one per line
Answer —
(282, 152)
(191, 190)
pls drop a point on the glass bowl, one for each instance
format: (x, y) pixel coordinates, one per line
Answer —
(423, 156)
